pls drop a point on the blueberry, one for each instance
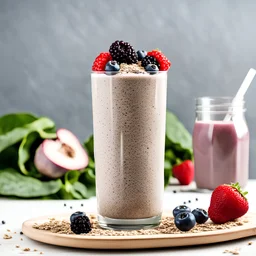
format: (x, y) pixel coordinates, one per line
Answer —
(75, 215)
(112, 67)
(200, 215)
(179, 209)
(185, 221)
(152, 68)
(141, 54)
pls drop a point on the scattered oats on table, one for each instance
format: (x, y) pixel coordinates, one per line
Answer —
(233, 251)
(250, 243)
(17, 246)
(7, 236)
(26, 249)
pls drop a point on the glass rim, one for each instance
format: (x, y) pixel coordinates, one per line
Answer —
(129, 73)
(218, 98)
(231, 112)
(214, 102)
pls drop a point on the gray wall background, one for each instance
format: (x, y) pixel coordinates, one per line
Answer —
(47, 48)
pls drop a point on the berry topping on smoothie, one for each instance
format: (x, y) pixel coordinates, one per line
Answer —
(122, 58)
(141, 54)
(112, 66)
(123, 52)
(161, 59)
(101, 60)
(149, 60)
(152, 68)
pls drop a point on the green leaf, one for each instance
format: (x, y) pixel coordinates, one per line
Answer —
(25, 150)
(9, 157)
(177, 133)
(63, 194)
(88, 177)
(13, 183)
(80, 188)
(170, 156)
(72, 176)
(89, 146)
(15, 135)
(11, 121)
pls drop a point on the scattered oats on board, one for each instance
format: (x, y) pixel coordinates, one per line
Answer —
(166, 226)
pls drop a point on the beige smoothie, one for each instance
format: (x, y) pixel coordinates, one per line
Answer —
(129, 113)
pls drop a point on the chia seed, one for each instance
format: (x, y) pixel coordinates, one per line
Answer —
(3, 222)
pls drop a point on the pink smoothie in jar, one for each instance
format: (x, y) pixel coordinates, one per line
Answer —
(221, 148)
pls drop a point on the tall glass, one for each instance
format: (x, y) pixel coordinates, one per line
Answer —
(129, 112)
(221, 145)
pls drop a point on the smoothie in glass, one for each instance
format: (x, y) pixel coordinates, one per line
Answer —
(129, 112)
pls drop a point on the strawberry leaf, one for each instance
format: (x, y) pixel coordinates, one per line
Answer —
(238, 188)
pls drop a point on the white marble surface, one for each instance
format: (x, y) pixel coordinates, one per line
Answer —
(14, 212)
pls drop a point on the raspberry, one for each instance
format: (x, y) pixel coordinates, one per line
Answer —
(161, 59)
(123, 52)
(101, 61)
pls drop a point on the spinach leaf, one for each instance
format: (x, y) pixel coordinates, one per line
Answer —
(176, 132)
(11, 121)
(80, 188)
(72, 188)
(15, 135)
(89, 146)
(13, 183)
(9, 157)
(88, 178)
(25, 152)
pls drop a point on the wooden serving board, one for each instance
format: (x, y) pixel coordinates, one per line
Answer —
(137, 242)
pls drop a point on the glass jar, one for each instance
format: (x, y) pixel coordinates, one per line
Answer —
(220, 142)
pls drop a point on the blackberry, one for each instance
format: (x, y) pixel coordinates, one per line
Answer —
(149, 60)
(80, 223)
(123, 52)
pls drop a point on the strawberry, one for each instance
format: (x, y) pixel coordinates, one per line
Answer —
(228, 202)
(161, 59)
(184, 172)
(101, 60)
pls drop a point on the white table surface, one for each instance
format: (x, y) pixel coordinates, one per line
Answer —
(15, 212)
